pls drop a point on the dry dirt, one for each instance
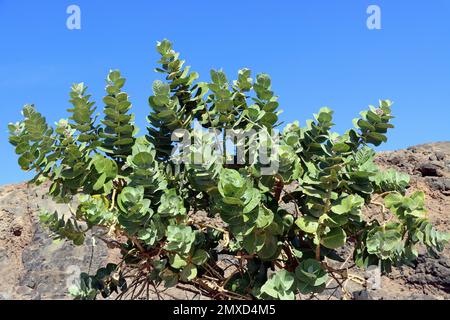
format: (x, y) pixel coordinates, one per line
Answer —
(32, 266)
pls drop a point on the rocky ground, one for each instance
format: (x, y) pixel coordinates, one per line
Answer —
(32, 266)
(429, 167)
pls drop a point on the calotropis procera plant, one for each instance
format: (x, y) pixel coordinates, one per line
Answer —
(226, 229)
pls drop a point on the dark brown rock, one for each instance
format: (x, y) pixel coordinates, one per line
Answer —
(440, 156)
(429, 170)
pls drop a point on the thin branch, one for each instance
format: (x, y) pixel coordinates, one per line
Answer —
(113, 199)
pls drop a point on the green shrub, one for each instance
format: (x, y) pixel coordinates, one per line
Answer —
(173, 218)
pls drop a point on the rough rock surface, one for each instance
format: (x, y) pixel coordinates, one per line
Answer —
(32, 266)
(429, 277)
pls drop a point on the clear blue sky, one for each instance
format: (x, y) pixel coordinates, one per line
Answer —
(319, 53)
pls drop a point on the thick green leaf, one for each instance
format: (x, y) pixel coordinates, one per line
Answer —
(189, 272)
(307, 224)
(333, 239)
(280, 286)
(200, 257)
